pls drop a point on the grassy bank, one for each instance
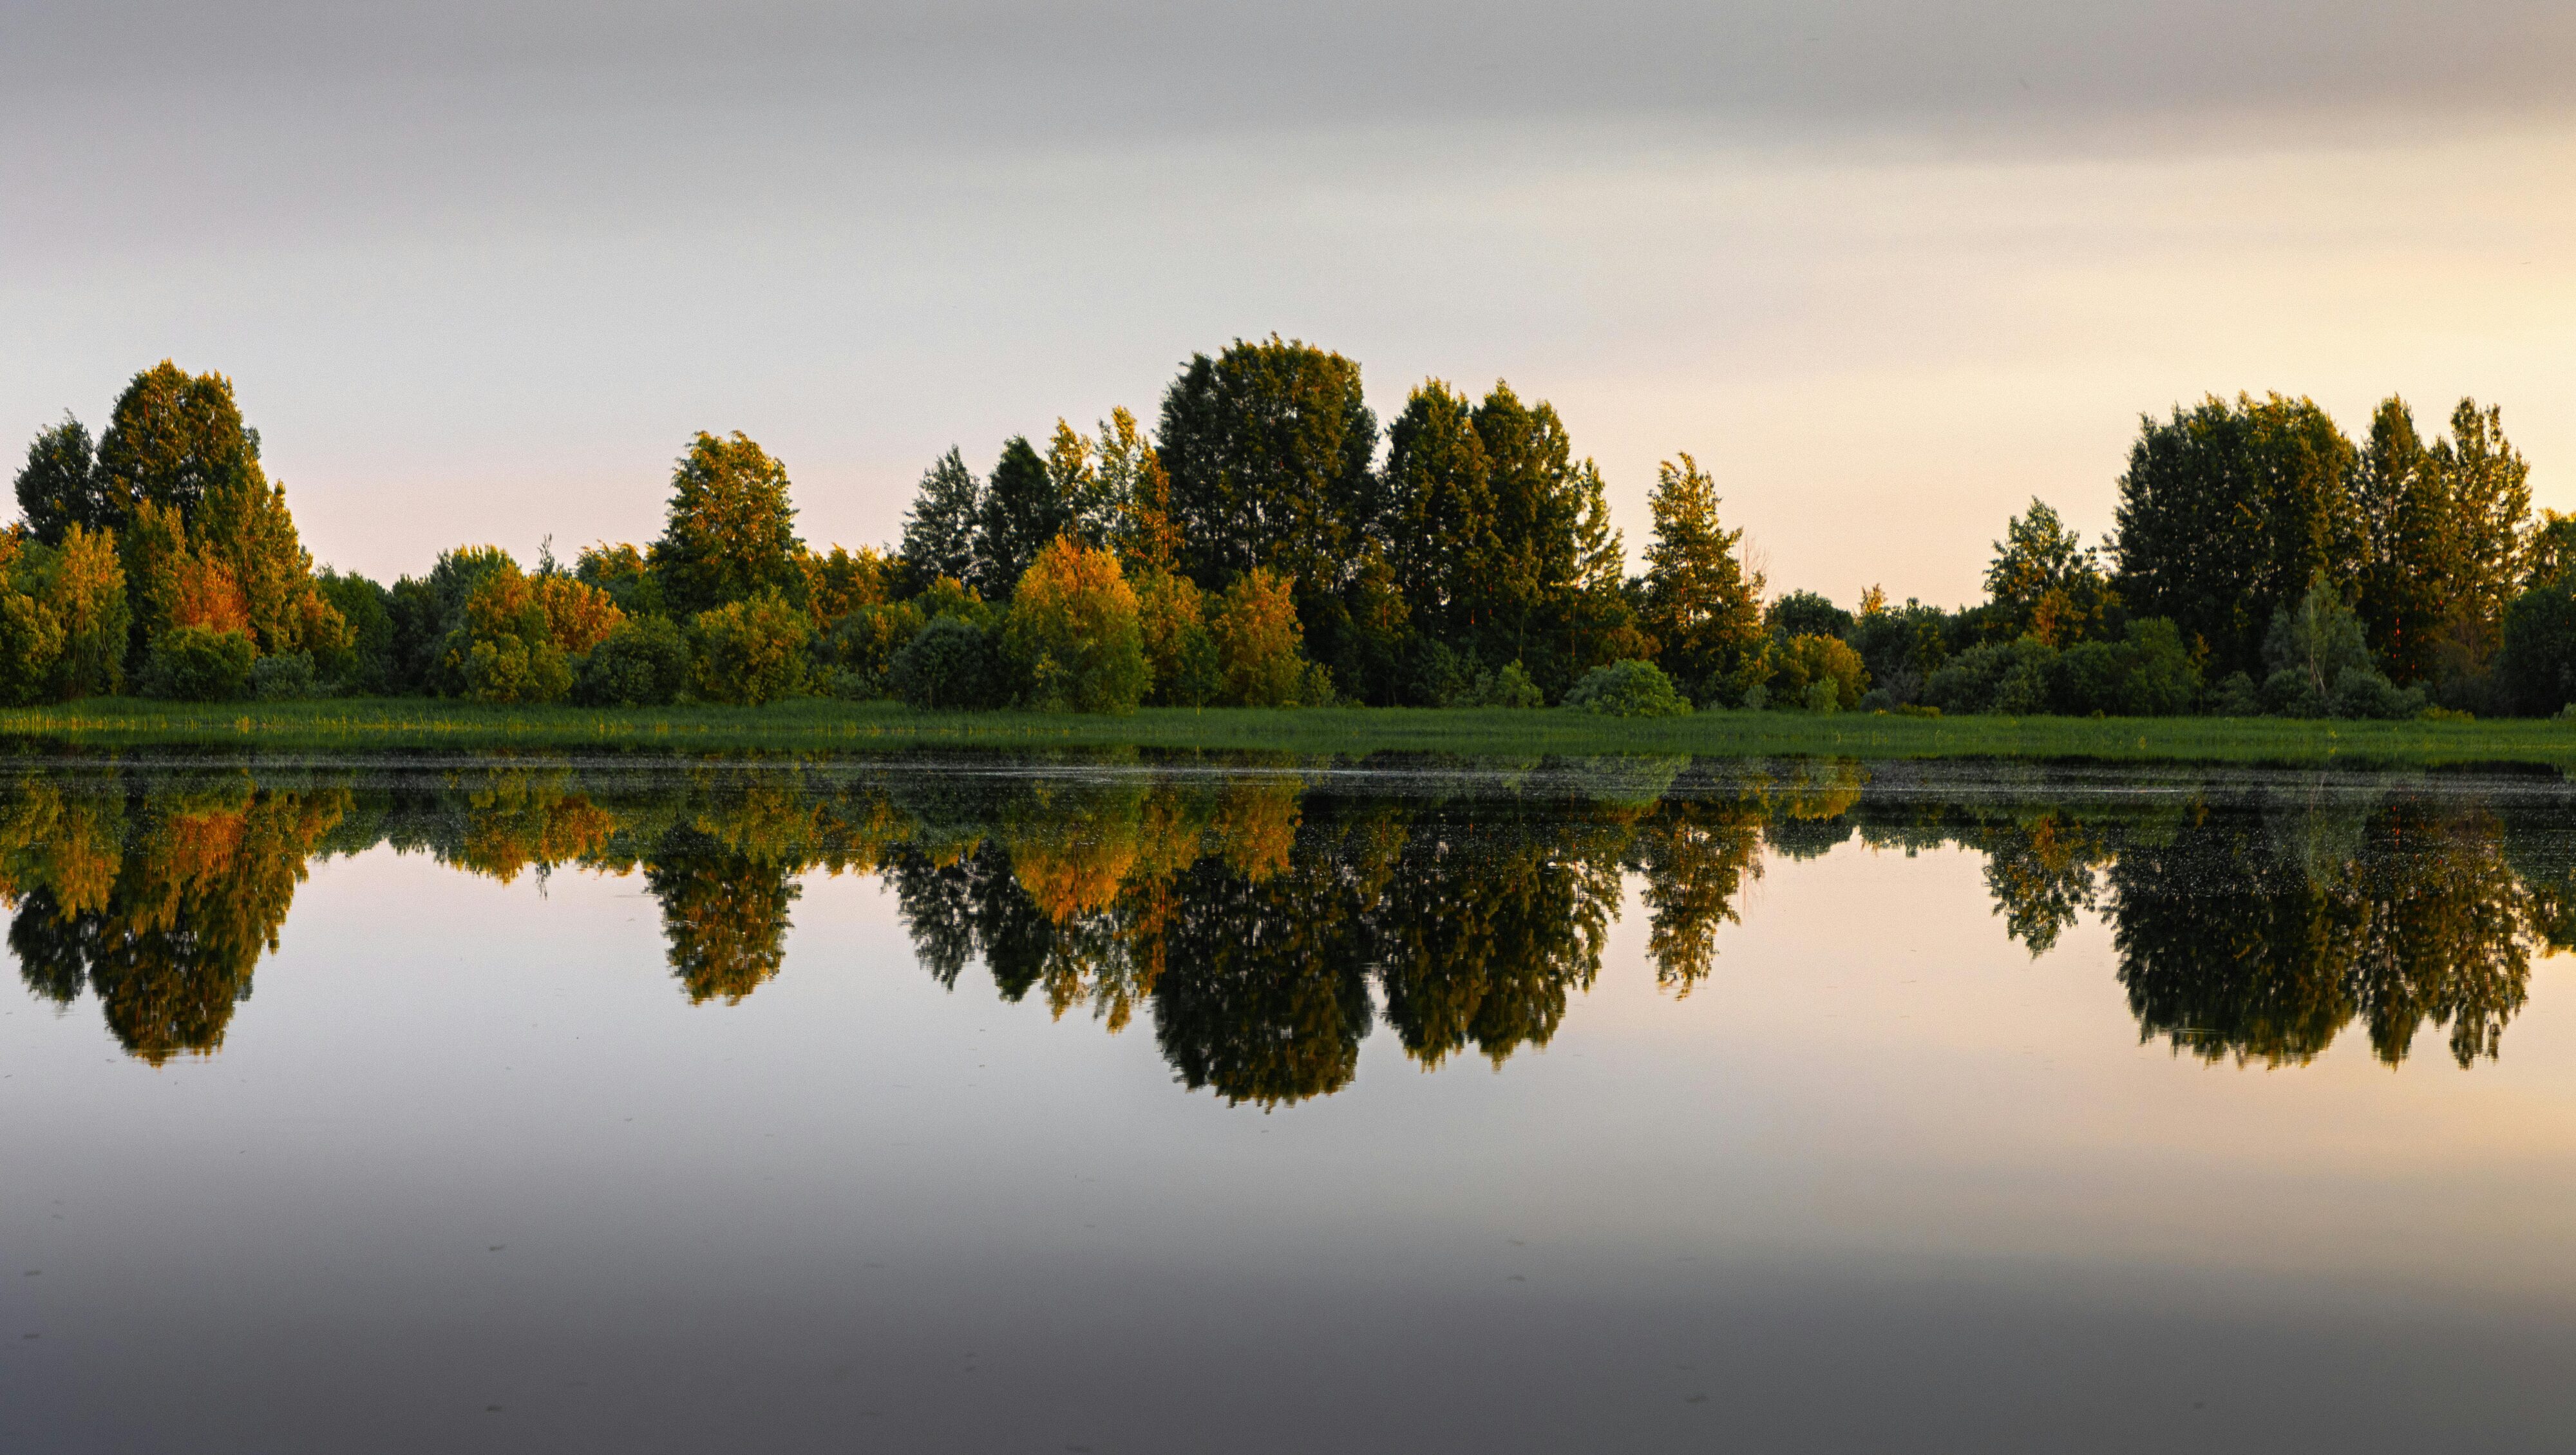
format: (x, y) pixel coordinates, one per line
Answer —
(814, 725)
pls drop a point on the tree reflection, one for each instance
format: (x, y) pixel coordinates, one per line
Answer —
(2262, 936)
(1267, 918)
(724, 913)
(1263, 997)
(165, 920)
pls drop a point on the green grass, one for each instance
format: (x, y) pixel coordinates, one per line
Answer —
(818, 725)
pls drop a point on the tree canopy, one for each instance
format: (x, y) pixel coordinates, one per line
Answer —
(730, 533)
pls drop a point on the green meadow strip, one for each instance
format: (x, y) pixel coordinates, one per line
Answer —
(815, 724)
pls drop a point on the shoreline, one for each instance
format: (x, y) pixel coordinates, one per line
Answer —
(824, 725)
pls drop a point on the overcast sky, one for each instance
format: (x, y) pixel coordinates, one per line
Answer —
(1888, 268)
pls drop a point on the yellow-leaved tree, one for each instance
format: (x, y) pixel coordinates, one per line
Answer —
(1073, 635)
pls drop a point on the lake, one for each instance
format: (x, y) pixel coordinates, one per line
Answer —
(1136, 1102)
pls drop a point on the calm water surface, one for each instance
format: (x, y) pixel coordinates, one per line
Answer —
(1179, 1105)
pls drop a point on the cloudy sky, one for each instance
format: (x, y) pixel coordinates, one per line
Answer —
(1888, 268)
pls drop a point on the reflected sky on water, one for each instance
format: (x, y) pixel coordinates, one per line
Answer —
(1183, 1104)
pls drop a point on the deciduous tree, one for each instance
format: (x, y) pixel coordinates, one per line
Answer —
(1700, 605)
(730, 533)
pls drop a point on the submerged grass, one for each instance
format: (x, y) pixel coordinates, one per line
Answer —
(820, 725)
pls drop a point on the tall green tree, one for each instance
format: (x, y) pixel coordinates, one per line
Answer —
(176, 443)
(1444, 552)
(939, 531)
(2227, 512)
(730, 533)
(1269, 446)
(58, 487)
(1088, 494)
(1699, 603)
(2447, 540)
(1134, 480)
(1602, 625)
(173, 438)
(1538, 500)
(2486, 485)
(2403, 582)
(1022, 512)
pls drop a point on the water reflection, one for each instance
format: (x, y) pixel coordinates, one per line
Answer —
(1266, 917)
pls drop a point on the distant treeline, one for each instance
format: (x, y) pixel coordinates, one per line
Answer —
(1268, 544)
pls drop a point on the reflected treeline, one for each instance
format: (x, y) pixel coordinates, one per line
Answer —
(1265, 918)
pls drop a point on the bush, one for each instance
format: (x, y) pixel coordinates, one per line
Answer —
(643, 662)
(1510, 687)
(2292, 692)
(283, 678)
(1178, 650)
(859, 650)
(1808, 662)
(2147, 674)
(1627, 689)
(503, 648)
(950, 664)
(1260, 648)
(2318, 638)
(1072, 633)
(199, 664)
(2360, 692)
(2015, 678)
(31, 648)
(749, 652)
(363, 661)
(2236, 697)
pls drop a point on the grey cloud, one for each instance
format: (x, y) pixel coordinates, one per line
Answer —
(1019, 68)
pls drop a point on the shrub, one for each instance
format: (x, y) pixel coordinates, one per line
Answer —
(31, 648)
(579, 616)
(948, 597)
(64, 622)
(749, 652)
(2236, 697)
(2015, 678)
(1511, 687)
(860, 648)
(1627, 689)
(2319, 638)
(642, 662)
(2291, 692)
(199, 664)
(2360, 692)
(503, 647)
(364, 660)
(949, 665)
(1806, 662)
(2147, 674)
(283, 677)
(1178, 649)
(1261, 650)
(1072, 633)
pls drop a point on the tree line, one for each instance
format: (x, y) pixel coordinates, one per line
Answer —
(1269, 544)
